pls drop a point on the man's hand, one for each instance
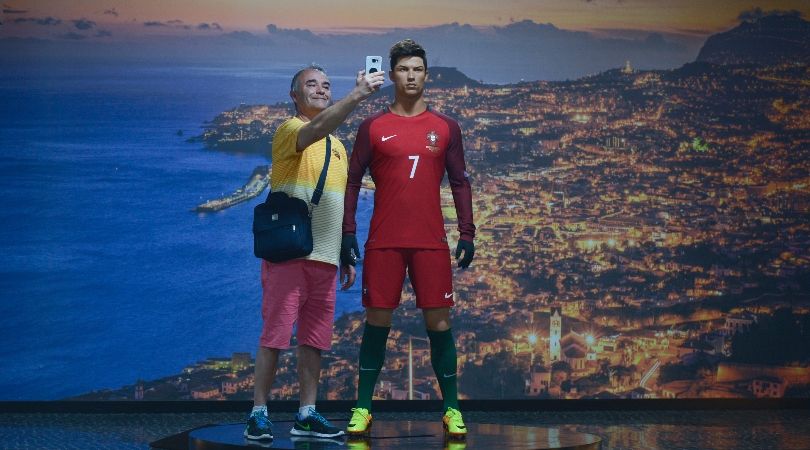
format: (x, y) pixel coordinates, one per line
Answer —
(349, 251)
(347, 276)
(327, 121)
(469, 251)
(367, 84)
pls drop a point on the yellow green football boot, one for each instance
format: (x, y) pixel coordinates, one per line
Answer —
(454, 424)
(360, 423)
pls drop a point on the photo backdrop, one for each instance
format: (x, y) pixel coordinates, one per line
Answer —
(642, 199)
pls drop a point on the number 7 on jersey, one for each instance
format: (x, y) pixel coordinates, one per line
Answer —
(415, 159)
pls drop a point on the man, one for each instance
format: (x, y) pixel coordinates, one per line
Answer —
(303, 290)
(408, 148)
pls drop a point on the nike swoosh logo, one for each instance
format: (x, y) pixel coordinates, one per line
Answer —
(385, 138)
(448, 295)
(306, 427)
(448, 376)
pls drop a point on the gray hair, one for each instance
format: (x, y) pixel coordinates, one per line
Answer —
(313, 66)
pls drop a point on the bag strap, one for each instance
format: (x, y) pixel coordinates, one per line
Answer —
(316, 196)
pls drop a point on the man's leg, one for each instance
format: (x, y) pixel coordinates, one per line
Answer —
(309, 373)
(443, 353)
(281, 288)
(258, 424)
(315, 319)
(264, 374)
(316, 314)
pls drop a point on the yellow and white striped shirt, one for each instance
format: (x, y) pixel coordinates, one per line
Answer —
(296, 173)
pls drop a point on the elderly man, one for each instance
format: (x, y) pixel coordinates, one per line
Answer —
(302, 290)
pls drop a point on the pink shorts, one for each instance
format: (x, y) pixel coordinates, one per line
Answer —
(429, 271)
(298, 291)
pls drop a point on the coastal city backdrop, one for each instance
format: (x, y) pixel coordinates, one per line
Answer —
(642, 233)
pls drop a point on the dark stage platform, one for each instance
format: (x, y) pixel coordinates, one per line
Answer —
(399, 435)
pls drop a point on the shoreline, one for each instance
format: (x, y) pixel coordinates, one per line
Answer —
(258, 181)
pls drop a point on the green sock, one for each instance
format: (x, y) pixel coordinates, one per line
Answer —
(372, 357)
(443, 359)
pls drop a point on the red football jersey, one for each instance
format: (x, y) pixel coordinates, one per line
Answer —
(408, 157)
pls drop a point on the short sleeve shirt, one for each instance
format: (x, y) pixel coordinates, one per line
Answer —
(296, 173)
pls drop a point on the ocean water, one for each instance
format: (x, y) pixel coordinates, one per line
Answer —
(106, 275)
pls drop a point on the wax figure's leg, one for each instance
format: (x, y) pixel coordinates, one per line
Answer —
(372, 353)
(431, 277)
(382, 288)
(444, 361)
(443, 353)
(432, 280)
(372, 358)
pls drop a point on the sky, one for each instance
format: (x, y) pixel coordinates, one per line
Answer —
(495, 41)
(698, 17)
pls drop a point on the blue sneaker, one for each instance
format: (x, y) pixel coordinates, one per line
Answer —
(259, 426)
(314, 425)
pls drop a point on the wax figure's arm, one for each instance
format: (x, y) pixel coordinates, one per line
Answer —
(358, 163)
(330, 118)
(347, 276)
(462, 196)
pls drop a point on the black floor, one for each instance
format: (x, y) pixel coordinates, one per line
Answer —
(389, 435)
(715, 429)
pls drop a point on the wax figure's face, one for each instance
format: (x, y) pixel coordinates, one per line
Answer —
(409, 76)
(313, 93)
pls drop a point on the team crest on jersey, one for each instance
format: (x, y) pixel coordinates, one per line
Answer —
(432, 139)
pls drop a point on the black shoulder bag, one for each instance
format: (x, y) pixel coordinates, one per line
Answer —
(282, 225)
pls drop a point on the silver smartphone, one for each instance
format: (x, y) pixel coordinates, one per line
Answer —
(373, 64)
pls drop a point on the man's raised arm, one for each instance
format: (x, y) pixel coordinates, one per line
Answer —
(330, 118)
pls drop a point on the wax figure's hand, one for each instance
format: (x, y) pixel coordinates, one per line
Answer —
(469, 251)
(347, 276)
(368, 83)
(349, 250)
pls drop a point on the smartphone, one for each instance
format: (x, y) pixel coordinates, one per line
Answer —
(373, 64)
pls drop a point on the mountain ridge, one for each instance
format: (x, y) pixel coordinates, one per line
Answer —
(769, 40)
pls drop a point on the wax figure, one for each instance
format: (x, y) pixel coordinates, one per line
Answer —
(408, 148)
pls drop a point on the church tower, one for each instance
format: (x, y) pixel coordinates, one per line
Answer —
(628, 69)
(554, 333)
